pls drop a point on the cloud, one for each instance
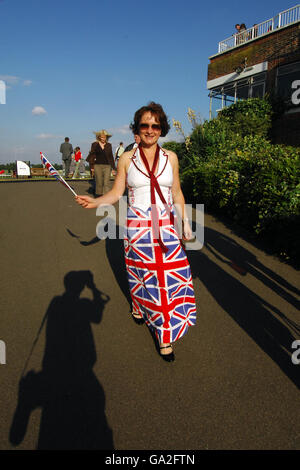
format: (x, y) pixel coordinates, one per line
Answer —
(48, 136)
(37, 110)
(171, 136)
(10, 79)
(124, 130)
(13, 80)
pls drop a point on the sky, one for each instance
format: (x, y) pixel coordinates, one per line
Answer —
(74, 67)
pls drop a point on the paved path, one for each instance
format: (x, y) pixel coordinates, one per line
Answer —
(233, 384)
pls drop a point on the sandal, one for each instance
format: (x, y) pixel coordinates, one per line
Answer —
(137, 318)
(170, 357)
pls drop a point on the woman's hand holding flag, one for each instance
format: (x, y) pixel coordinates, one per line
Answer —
(87, 202)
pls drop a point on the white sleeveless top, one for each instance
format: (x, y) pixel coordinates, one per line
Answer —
(138, 182)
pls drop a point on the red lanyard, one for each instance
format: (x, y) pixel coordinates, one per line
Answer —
(154, 185)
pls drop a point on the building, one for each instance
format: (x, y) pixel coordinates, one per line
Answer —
(262, 59)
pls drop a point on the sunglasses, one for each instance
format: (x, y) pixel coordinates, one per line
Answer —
(155, 127)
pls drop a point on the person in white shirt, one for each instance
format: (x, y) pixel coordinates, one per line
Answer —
(119, 151)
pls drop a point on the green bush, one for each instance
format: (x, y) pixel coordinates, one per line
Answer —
(177, 147)
(257, 185)
(248, 117)
(246, 177)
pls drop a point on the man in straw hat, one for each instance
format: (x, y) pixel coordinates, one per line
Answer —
(104, 161)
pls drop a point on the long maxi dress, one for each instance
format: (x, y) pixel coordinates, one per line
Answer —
(159, 273)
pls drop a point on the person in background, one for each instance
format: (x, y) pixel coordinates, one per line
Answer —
(104, 161)
(77, 159)
(236, 34)
(243, 35)
(134, 144)
(66, 150)
(119, 151)
(72, 165)
(82, 168)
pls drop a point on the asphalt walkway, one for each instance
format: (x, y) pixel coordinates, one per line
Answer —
(92, 378)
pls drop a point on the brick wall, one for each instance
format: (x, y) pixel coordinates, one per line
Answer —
(277, 48)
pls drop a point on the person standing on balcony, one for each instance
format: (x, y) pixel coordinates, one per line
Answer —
(243, 30)
(236, 34)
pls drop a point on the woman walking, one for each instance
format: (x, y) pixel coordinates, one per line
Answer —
(158, 271)
(103, 161)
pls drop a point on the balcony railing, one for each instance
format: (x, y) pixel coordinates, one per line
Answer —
(285, 18)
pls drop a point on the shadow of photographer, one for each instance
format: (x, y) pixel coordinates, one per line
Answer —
(66, 389)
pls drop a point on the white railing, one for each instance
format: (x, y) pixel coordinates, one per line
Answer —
(285, 18)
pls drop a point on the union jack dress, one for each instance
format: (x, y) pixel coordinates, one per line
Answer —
(159, 273)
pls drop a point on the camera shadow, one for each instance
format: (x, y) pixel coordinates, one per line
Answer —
(66, 389)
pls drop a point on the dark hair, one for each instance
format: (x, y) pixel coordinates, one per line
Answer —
(77, 148)
(67, 139)
(157, 110)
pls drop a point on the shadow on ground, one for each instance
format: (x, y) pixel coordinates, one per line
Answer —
(115, 254)
(270, 328)
(66, 389)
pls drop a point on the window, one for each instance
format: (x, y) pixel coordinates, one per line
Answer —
(229, 93)
(286, 75)
(243, 89)
(258, 91)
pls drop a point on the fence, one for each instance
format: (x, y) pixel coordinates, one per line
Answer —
(284, 18)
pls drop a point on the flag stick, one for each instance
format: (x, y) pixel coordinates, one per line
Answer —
(67, 185)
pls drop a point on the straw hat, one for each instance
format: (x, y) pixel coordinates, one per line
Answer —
(103, 131)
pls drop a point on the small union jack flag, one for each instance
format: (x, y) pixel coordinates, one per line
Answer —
(54, 172)
(50, 168)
